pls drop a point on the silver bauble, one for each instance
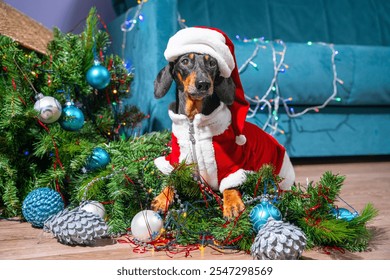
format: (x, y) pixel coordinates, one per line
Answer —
(48, 107)
(146, 226)
(278, 240)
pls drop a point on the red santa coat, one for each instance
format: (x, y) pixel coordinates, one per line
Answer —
(209, 141)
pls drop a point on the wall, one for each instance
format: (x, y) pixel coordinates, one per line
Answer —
(67, 15)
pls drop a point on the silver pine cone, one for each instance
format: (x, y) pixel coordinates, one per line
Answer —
(76, 227)
(278, 240)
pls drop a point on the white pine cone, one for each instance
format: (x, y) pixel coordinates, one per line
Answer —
(278, 240)
(76, 227)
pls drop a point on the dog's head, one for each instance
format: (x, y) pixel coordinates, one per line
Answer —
(197, 79)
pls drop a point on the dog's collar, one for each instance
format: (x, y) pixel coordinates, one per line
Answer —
(208, 125)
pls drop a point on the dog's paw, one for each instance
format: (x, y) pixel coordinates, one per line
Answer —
(163, 200)
(232, 204)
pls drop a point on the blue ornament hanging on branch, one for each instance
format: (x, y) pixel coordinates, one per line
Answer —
(41, 204)
(98, 76)
(72, 118)
(98, 159)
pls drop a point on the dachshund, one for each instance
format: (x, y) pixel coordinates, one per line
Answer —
(203, 94)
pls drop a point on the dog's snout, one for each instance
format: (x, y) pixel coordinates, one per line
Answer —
(202, 85)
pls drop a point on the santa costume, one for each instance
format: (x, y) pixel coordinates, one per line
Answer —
(222, 144)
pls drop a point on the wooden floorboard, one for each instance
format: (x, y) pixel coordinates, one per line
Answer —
(365, 182)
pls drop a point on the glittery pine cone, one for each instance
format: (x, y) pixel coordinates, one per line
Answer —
(278, 240)
(76, 227)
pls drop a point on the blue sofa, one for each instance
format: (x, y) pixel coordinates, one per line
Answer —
(306, 34)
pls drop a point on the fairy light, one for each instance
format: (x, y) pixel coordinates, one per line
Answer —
(129, 23)
(279, 49)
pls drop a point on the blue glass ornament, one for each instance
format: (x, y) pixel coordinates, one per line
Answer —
(344, 214)
(72, 118)
(41, 204)
(98, 76)
(262, 212)
(98, 159)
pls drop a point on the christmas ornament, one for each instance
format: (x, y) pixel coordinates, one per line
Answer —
(40, 204)
(48, 107)
(72, 118)
(99, 159)
(76, 227)
(94, 207)
(344, 214)
(146, 226)
(98, 76)
(262, 212)
(278, 240)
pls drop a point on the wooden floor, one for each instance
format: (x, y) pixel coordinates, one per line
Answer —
(365, 182)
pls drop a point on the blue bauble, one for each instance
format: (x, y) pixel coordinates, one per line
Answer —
(98, 159)
(262, 212)
(72, 118)
(41, 204)
(344, 214)
(98, 76)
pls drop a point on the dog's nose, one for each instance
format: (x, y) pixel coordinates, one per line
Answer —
(202, 85)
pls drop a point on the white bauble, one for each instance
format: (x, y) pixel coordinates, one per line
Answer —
(147, 226)
(94, 207)
(48, 107)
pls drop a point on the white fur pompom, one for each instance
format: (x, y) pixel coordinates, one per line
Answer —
(240, 139)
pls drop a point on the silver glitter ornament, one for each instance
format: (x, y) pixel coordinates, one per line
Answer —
(48, 107)
(278, 240)
(76, 227)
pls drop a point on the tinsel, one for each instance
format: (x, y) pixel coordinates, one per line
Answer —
(76, 227)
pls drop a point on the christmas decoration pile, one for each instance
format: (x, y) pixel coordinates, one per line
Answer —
(76, 227)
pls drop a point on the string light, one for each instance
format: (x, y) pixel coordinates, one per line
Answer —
(129, 24)
(279, 66)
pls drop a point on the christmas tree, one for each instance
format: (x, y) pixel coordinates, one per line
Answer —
(41, 147)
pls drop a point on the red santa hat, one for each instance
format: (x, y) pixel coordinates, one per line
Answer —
(217, 44)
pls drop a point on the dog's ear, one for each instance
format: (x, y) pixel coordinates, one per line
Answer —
(225, 89)
(163, 81)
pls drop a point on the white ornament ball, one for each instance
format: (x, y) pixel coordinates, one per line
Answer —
(147, 226)
(94, 207)
(48, 107)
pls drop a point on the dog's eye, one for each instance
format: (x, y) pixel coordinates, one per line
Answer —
(185, 61)
(213, 63)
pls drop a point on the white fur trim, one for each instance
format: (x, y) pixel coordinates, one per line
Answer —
(163, 165)
(287, 173)
(233, 180)
(240, 139)
(201, 40)
(208, 125)
(205, 127)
